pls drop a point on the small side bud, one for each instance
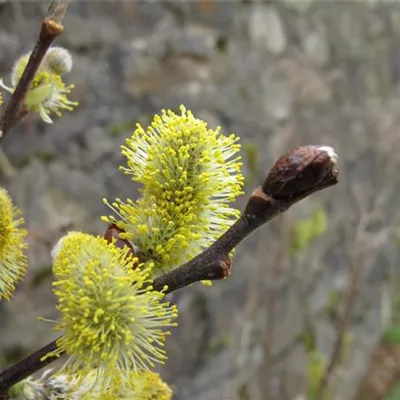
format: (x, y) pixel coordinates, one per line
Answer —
(112, 235)
(226, 266)
(58, 60)
(302, 171)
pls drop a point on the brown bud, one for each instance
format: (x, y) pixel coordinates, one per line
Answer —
(302, 171)
(112, 235)
(226, 266)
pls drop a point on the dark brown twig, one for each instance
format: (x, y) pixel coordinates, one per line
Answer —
(26, 367)
(51, 28)
(294, 176)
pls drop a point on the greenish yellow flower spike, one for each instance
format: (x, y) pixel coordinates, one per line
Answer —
(141, 385)
(110, 314)
(13, 261)
(189, 175)
(147, 386)
(47, 387)
(48, 92)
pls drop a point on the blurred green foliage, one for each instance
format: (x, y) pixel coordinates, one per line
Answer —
(391, 335)
(331, 309)
(394, 393)
(125, 128)
(303, 233)
(122, 128)
(251, 160)
(308, 339)
(315, 370)
(216, 345)
(306, 230)
(348, 339)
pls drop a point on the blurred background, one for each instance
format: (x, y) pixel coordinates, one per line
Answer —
(312, 295)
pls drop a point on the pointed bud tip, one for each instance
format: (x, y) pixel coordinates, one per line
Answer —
(331, 153)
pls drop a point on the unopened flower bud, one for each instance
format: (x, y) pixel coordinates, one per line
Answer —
(47, 93)
(302, 171)
(58, 60)
(114, 235)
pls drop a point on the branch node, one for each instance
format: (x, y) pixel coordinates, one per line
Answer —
(226, 267)
(50, 28)
(258, 203)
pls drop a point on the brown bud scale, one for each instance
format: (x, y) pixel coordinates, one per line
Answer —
(112, 236)
(301, 170)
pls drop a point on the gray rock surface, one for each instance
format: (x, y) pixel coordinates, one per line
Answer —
(267, 29)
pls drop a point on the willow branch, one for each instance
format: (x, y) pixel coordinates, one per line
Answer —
(26, 367)
(295, 175)
(51, 28)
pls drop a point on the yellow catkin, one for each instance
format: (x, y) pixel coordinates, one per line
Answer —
(13, 260)
(140, 385)
(189, 174)
(110, 314)
(48, 93)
